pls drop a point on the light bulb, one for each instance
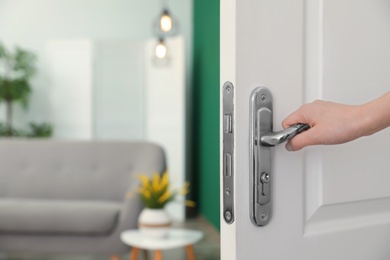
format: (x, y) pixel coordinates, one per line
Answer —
(166, 22)
(161, 50)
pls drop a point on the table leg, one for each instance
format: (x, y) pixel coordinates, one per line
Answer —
(134, 253)
(115, 257)
(158, 255)
(190, 252)
(146, 255)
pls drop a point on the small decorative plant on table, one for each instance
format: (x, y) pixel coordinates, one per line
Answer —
(155, 193)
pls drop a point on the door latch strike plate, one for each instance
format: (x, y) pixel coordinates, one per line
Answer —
(228, 152)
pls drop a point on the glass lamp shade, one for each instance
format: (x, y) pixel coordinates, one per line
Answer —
(161, 50)
(166, 24)
(161, 53)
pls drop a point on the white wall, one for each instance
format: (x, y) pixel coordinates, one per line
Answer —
(70, 88)
(32, 23)
(119, 90)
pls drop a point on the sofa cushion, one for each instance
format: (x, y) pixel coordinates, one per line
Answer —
(58, 216)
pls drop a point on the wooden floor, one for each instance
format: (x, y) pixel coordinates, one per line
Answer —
(206, 249)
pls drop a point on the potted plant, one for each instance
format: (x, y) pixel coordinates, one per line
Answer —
(16, 70)
(42, 130)
(155, 193)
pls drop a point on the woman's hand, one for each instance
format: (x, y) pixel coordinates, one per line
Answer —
(331, 123)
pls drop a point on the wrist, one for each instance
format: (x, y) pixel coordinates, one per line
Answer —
(376, 115)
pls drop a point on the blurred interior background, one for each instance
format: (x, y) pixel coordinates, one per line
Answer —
(98, 77)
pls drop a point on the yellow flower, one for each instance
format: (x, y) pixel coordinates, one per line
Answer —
(190, 203)
(164, 180)
(164, 197)
(144, 180)
(155, 190)
(185, 188)
(156, 182)
(146, 194)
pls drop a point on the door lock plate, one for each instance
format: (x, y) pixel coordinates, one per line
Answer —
(228, 152)
(260, 166)
(262, 139)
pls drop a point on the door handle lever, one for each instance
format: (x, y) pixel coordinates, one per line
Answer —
(273, 138)
(262, 139)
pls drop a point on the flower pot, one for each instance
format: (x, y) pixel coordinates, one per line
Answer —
(154, 223)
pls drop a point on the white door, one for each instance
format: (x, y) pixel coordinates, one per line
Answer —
(329, 202)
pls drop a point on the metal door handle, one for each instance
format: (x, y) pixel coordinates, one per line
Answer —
(262, 139)
(274, 138)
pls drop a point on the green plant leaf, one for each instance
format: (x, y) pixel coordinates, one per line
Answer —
(42, 130)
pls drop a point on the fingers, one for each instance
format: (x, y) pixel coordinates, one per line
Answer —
(294, 118)
(298, 142)
(301, 140)
(309, 114)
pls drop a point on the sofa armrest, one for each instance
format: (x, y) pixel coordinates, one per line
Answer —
(129, 214)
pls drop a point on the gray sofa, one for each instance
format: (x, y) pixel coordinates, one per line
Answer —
(70, 197)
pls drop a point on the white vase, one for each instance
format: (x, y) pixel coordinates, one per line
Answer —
(154, 223)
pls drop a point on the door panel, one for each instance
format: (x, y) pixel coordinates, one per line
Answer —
(330, 202)
(354, 65)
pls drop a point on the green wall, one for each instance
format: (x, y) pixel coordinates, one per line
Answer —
(206, 108)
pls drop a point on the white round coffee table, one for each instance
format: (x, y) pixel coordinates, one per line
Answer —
(175, 238)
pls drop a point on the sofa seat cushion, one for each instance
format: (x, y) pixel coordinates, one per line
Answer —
(58, 216)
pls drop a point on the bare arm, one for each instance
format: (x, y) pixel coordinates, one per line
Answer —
(333, 123)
